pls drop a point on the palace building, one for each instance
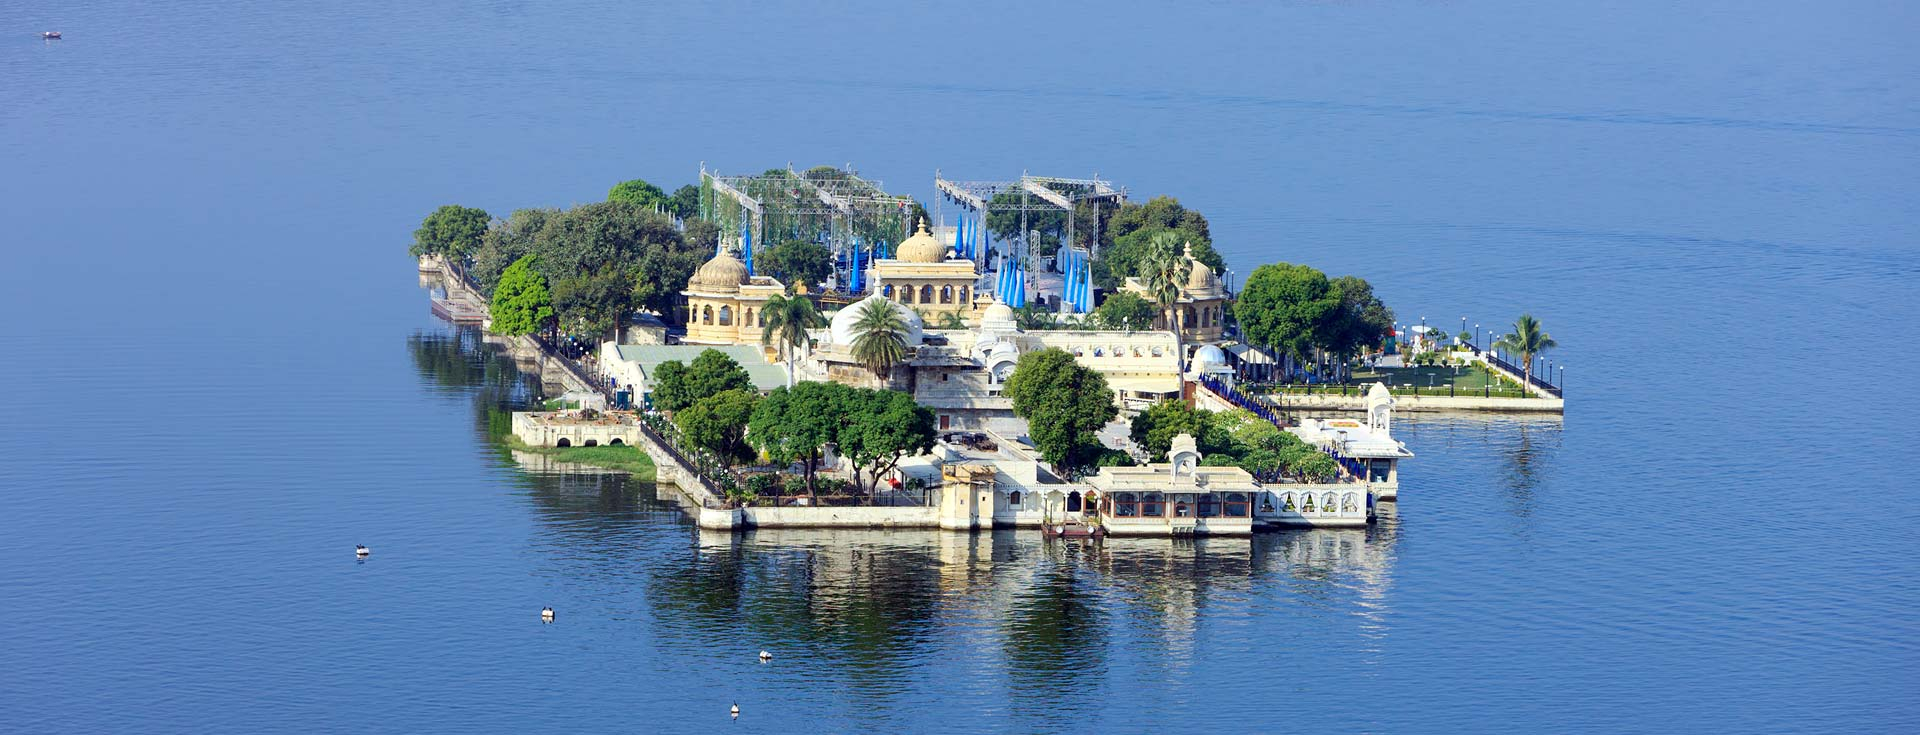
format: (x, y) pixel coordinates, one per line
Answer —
(922, 276)
(724, 302)
(1201, 308)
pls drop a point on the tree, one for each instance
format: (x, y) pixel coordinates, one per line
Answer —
(685, 203)
(786, 320)
(1032, 317)
(453, 232)
(1132, 228)
(884, 427)
(1527, 339)
(590, 237)
(718, 424)
(521, 304)
(677, 386)
(702, 237)
(661, 275)
(879, 340)
(638, 191)
(1153, 430)
(949, 320)
(1282, 307)
(1063, 402)
(798, 262)
(1164, 272)
(1357, 321)
(1124, 310)
(594, 303)
(792, 424)
(505, 242)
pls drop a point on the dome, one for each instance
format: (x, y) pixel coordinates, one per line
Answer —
(1208, 357)
(723, 274)
(843, 332)
(921, 248)
(997, 314)
(1199, 277)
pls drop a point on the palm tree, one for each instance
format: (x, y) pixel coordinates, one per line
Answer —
(879, 340)
(1527, 340)
(786, 320)
(950, 320)
(1163, 270)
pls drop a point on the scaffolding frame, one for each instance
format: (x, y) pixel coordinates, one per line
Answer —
(978, 196)
(837, 209)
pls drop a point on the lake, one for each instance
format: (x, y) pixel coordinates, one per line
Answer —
(226, 376)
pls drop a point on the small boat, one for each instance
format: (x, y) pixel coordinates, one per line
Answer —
(361, 551)
(50, 35)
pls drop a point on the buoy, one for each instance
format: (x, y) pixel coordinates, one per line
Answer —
(361, 551)
(765, 657)
(546, 613)
(50, 35)
(736, 710)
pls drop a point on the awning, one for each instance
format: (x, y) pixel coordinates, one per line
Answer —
(1166, 384)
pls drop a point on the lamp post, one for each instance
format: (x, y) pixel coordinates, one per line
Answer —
(1476, 338)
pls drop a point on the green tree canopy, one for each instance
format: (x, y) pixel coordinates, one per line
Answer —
(1282, 307)
(676, 387)
(797, 262)
(718, 424)
(685, 203)
(593, 303)
(521, 304)
(1358, 320)
(792, 424)
(884, 427)
(453, 232)
(785, 321)
(1124, 310)
(505, 242)
(702, 237)
(1527, 339)
(638, 191)
(1130, 231)
(1064, 404)
(1154, 429)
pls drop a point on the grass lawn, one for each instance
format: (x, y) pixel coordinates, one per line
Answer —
(619, 457)
(1426, 381)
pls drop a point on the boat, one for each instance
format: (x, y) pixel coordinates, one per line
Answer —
(50, 35)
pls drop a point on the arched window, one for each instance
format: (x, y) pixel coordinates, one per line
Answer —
(1328, 504)
(926, 294)
(1073, 502)
(615, 442)
(563, 442)
(906, 294)
(1286, 503)
(887, 291)
(1186, 318)
(1180, 510)
(1236, 505)
(1350, 502)
(591, 442)
(1306, 504)
(1013, 498)
(1150, 505)
(1209, 506)
(946, 294)
(1125, 505)
(746, 317)
(963, 296)
(706, 315)
(726, 316)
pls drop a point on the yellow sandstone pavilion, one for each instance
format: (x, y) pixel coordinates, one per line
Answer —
(920, 276)
(724, 302)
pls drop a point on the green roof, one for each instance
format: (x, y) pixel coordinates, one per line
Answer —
(765, 375)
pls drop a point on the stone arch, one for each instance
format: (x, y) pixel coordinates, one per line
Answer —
(926, 294)
(1013, 498)
(906, 294)
(1329, 503)
(726, 316)
(563, 442)
(887, 292)
(746, 316)
(706, 314)
(963, 296)
(946, 294)
(590, 443)
(1073, 502)
(1350, 502)
(616, 442)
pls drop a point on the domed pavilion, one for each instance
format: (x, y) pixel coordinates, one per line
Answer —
(724, 302)
(1201, 308)
(925, 277)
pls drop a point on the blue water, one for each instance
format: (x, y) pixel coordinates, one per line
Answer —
(223, 375)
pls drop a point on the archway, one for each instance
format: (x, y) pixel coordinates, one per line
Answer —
(592, 442)
(615, 442)
(563, 442)
(1073, 502)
